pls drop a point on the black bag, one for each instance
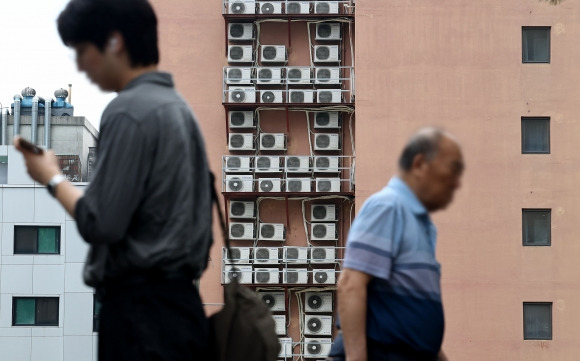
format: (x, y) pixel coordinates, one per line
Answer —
(243, 330)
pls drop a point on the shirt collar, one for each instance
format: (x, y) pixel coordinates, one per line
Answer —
(403, 189)
(157, 77)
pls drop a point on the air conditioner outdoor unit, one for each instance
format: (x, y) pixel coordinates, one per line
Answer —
(239, 230)
(275, 301)
(297, 7)
(326, 54)
(323, 231)
(237, 164)
(271, 96)
(239, 255)
(301, 96)
(326, 141)
(326, 7)
(239, 183)
(285, 348)
(266, 275)
(240, 31)
(273, 54)
(298, 185)
(298, 75)
(322, 212)
(297, 164)
(270, 7)
(324, 255)
(267, 164)
(272, 232)
(242, 209)
(240, 54)
(324, 276)
(241, 95)
(315, 302)
(331, 185)
(318, 325)
(326, 120)
(269, 185)
(280, 321)
(295, 255)
(324, 75)
(272, 141)
(241, 119)
(328, 31)
(242, 7)
(295, 276)
(241, 141)
(328, 96)
(317, 347)
(266, 255)
(242, 273)
(238, 75)
(269, 75)
(326, 164)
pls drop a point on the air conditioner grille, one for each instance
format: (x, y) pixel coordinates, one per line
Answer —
(314, 324)
(265, 75)
(293, 8)
(236, 52)
(267, 231)
(295, 186)
(293, 163)
(238, 96)
(267, 8)
(324, 30)
(236, 184)
(269, 52)
(320, 277)
(234, 162)
(262, 276)
(262, 254)
(236, 30)
(237, 141)
(319, 230)
(237, 119)
(318, 253)
(268, 140)
(319, 212)
(324, 185)
(322, 52)
(263, 163)
(235, 74)
(266, 186)
(269, 300)
(291, 276)
(315, 302)
(323, 75)
(322, 141)
(323, 162)
(322, 8)
(234, 274)
(294, 75)
(292, 253)
(238, 209)
(235, 253)
(314, 347)
(297, 97)
(322, 119)
(325, 96)
(238, 8)
(237, 230)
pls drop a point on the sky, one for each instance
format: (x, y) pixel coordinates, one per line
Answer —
(32, 55)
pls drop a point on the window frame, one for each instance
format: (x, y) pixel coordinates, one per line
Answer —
(548, 122)
(58, 230)
(551, 319)
(524, 223)
(36, 311)
(549, 29)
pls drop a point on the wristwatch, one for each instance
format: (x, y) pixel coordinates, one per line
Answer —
(53, 182)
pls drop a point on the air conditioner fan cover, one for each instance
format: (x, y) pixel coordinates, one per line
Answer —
(238, 230)
(292, 8)
(268, 97)
(322, 162)
(269, 300)
(294, 185)
(262, 276)
(238, 208)
(236, 52)
(322, 8)
(267, 8)
(319, 212)
(320, 277)
(268, 140)
(265, 74)
(235, 74)
(297, 97)
(234, 162)
(237, 140)
(263, 163)
(322, 119)
(324, 186)
(238, 96)
(234, 274)
(237, 118)
(236, 30)
(262, 254)
(314, 302)
(319, 230)
(291, 253)
(322, 141)
(291, 276)
(324, 30)
(235, 184)
(266, 186)
(325, 96)
(322, 52)
(314, 324)
(293, 163)
(294, 75)
(269, 52)
(235, 253)
(267, 231)
(318, 253)
(314, 347)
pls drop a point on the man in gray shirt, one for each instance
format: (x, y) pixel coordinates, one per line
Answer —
(147, 212)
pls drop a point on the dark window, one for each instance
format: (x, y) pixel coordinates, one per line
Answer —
(96, 311)
(536, 44)
(536, 135)
(3, 169)
(537, 320)
(536, 227)
(35, 311)
(36, 240)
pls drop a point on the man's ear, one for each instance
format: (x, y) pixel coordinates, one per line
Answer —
(115, 42)
(419, 164)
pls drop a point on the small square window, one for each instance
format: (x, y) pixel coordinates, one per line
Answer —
(535, 135)
(536, 44)
(36, 240)
(536, 227)
(35, 311)
(537, 320)
(96, 311)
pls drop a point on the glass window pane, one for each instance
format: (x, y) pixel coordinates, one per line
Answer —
(536, 227)
(535, 135)
(537, 321)
(3, 169)
(47, 311)
(24, 240)
(48, 240)
(24, 311)
(536, 45)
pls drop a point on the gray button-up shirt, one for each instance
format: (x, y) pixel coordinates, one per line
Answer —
(148, 206)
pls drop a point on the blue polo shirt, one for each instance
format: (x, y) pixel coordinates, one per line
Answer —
(393, 240)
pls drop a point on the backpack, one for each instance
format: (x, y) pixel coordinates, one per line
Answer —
(243, 329)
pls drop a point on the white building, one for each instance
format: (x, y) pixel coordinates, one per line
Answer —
(46, 311)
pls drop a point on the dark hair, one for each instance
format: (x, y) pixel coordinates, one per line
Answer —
(425, 141)
(94, 21)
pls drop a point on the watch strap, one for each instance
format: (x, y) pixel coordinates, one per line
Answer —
(53, 182)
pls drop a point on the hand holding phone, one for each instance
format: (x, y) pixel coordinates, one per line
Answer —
(29, 147)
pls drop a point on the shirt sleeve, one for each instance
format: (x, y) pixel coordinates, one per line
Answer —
(103, 214)
(372, 240)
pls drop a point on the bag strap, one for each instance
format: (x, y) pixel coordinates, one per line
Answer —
(221, 217)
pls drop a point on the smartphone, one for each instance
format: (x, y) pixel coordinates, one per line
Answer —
(29, 147)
